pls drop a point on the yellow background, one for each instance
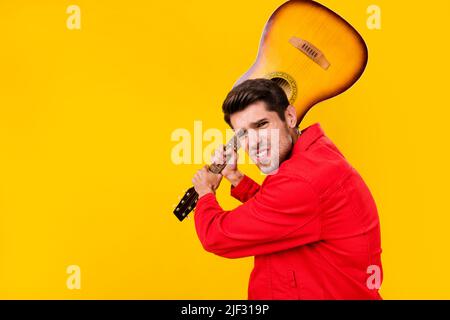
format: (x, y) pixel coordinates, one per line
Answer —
(86, 117)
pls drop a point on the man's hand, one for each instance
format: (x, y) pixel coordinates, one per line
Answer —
(230, 172)
(205, 181)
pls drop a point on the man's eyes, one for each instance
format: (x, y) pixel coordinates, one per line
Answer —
(262, 124)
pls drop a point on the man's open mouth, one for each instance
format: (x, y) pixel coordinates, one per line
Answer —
(263, 155)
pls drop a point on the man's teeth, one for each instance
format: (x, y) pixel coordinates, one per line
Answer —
(261, 153)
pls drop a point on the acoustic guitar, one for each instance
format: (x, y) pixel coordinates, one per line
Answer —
(311, 52)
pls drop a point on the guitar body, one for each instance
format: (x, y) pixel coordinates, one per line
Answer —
(311, 52)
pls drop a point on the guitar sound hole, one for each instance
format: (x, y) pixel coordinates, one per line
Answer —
(285, 85)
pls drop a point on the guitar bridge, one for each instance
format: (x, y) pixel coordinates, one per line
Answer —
(310, 51)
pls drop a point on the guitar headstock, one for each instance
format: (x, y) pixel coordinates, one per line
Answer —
(186, 204)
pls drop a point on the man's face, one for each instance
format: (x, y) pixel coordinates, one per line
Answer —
(269, 139)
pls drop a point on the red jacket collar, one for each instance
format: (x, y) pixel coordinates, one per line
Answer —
(307, 137)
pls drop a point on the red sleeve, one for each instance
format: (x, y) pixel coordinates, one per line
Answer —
(283, 214)
(245, 189)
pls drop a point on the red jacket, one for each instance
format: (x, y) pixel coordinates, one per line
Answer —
(313, 227)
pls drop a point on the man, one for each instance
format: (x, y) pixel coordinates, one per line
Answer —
(312, 225)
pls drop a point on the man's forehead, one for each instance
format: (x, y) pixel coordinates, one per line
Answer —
(246, 118)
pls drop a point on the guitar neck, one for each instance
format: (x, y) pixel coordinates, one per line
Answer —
(234, 143)
(189, 200)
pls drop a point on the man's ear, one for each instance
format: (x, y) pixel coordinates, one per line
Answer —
(290, 115)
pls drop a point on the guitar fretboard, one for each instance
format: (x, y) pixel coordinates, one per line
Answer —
(233, 143)
(189, 200)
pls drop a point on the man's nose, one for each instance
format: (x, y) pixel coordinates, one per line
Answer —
(244, 143)
(251, 140)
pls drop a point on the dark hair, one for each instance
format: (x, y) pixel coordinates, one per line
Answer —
(255, 90)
